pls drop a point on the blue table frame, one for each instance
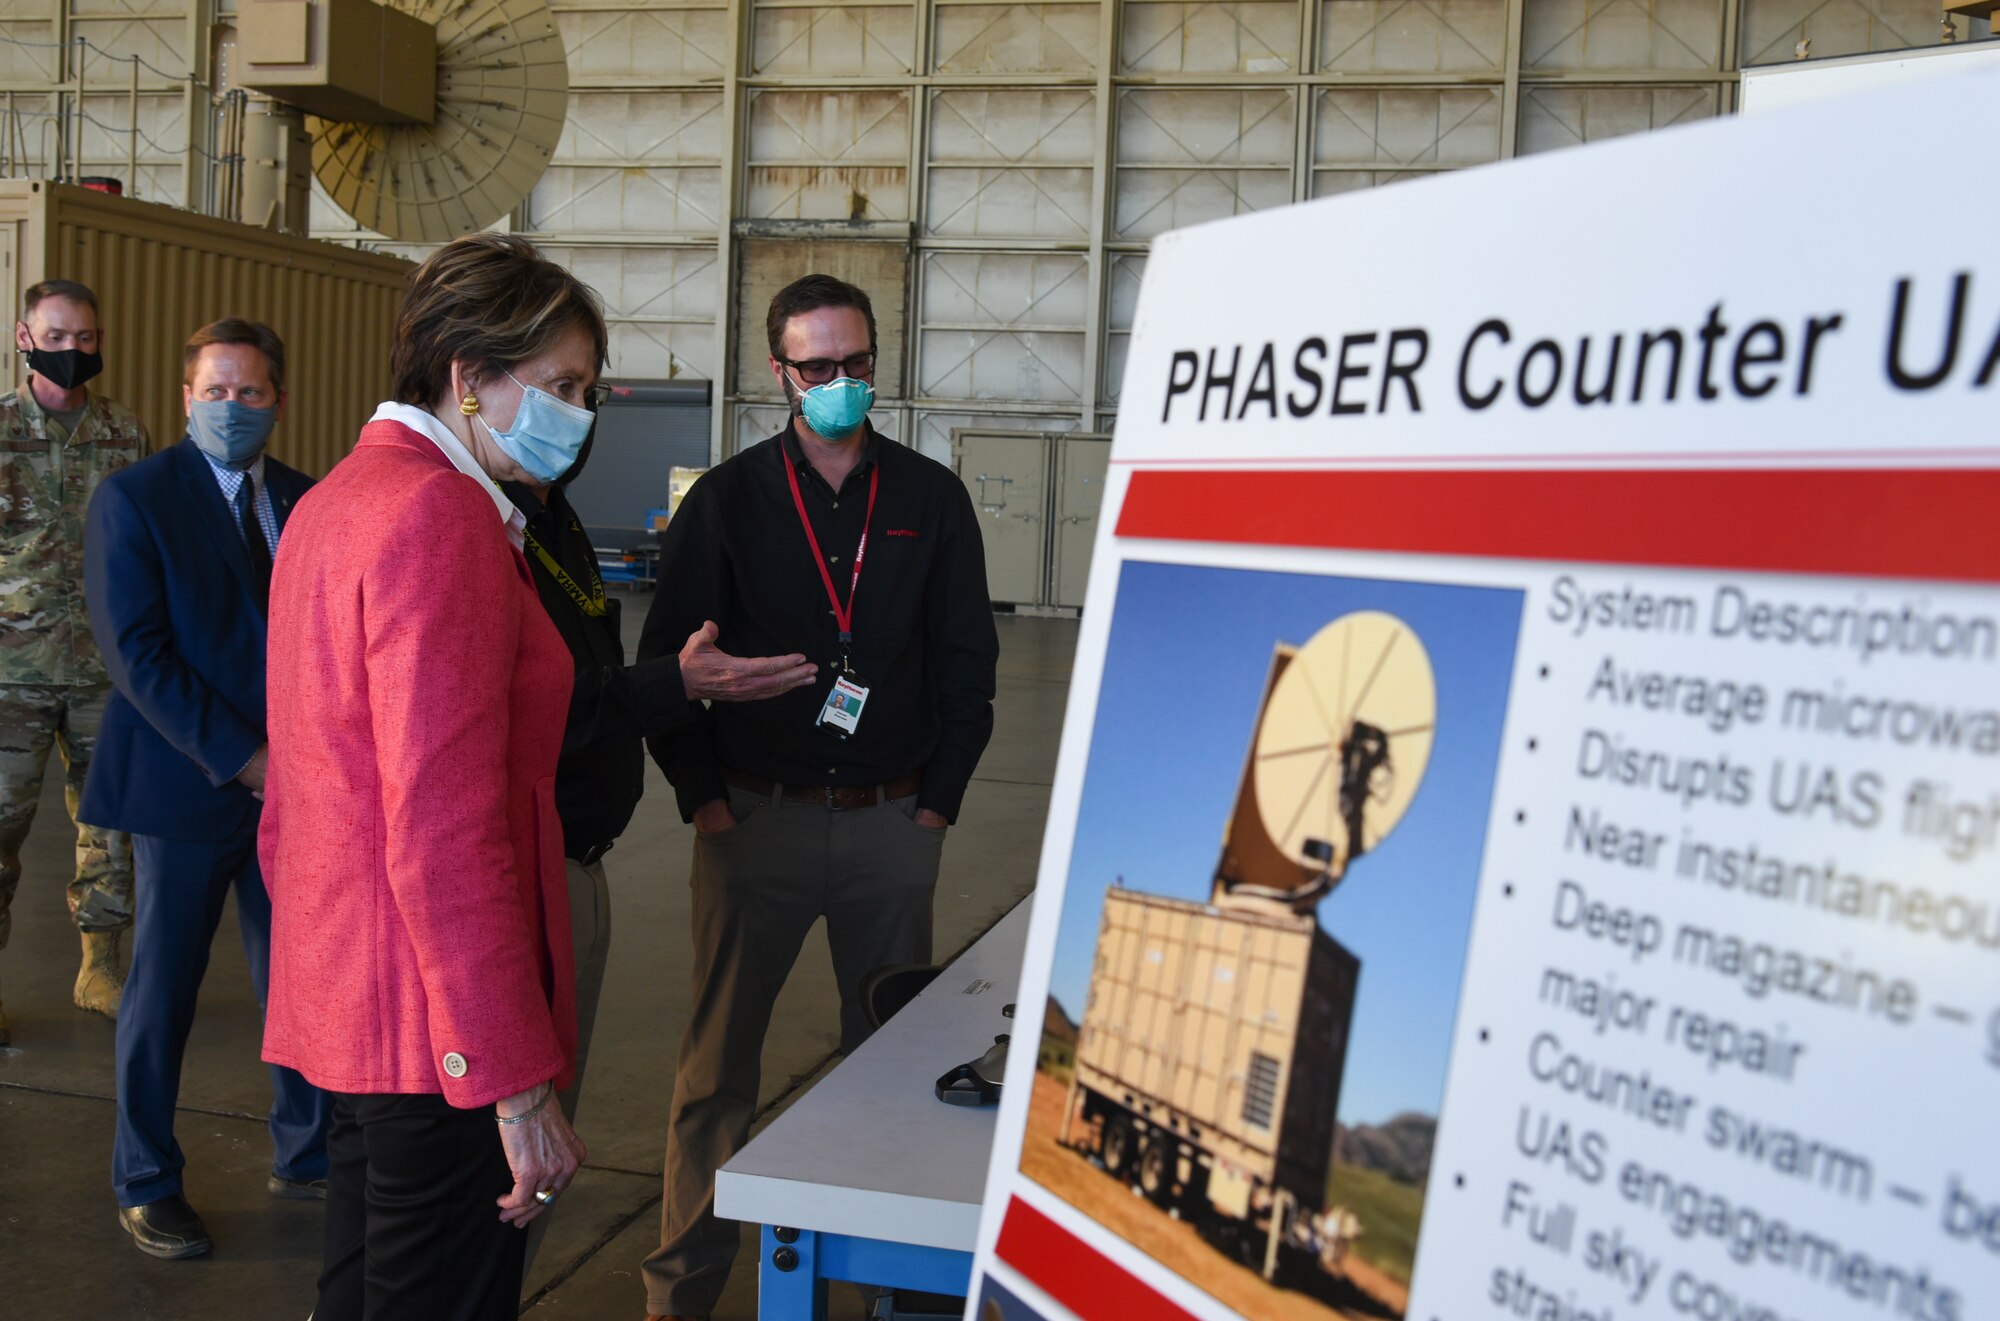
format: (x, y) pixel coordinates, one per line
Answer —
(868, 1177)
(795, 1265)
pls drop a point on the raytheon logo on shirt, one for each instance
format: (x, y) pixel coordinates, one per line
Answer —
(899, 532)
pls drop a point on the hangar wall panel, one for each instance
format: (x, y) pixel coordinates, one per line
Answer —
(1003, 326)
(1622, 34)
(1569, 116)
(1121, 303)
(1772, 29)
(993, 170)
(1366, 137)
(821, 41)
(767, 265)
(973, 39)
(1209, 36)
(1010, 164)
(828, 155)
(1365, 37)
(645, 43)
(1186, 155)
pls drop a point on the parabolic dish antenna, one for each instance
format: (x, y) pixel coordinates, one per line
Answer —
(1344, 740)
(502, 93)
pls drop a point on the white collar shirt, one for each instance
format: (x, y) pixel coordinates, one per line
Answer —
(421, 421)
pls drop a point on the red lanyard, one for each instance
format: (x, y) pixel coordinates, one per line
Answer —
(842, 615)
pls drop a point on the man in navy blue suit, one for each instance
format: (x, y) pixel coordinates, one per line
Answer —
(177, 573)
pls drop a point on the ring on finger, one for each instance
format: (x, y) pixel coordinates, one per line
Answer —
(546, 1196)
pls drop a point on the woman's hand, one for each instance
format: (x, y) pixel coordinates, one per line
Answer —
(542, 1151)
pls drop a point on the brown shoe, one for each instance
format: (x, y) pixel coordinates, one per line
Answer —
(101, 982)
(6, 1032)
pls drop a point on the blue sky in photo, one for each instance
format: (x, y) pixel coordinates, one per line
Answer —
(1184, 674)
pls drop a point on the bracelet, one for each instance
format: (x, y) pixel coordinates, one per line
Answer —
(527, 1114)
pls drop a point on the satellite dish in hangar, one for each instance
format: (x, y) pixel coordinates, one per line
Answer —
(416, 164)
(1341, 744)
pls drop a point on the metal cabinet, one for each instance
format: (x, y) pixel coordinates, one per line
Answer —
(1081, 465)
(1037, 494)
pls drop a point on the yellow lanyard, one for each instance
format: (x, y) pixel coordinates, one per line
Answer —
(592, 601)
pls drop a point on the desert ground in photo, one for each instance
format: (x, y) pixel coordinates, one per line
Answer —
(1365, 1294)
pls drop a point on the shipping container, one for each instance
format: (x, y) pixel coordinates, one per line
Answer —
(1209, 1063)
(160, 274)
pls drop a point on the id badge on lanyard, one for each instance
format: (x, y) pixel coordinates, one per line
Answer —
(841, 712)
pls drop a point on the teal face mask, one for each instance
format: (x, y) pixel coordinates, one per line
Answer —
(837, 409)
(547, 434)
(230, 431)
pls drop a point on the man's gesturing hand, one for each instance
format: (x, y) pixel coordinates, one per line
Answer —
(707, 673)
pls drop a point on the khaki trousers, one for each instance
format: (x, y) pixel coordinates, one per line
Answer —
(34, 720)
(590, 930)
(871, 872)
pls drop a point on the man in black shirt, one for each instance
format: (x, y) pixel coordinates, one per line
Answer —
(833, 799)
(613, 707)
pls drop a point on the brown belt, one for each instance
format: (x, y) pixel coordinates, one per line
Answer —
(833, 797)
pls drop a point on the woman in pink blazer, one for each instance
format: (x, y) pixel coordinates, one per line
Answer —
(421, 961)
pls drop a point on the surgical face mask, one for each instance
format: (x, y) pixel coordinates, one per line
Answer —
(230, 431)
(575, 469)
(64, 368)
(837, 409)
(547, 435)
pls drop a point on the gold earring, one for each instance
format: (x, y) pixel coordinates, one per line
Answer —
(469, 405)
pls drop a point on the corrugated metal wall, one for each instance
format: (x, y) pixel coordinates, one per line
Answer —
(161, 273)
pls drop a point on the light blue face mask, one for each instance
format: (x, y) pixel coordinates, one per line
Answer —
(230, 431)
(837, 409)
(547, 434)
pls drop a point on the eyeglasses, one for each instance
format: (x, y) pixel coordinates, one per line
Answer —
(595, 396)
(818, 371)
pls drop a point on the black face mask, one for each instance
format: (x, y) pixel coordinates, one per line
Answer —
(575, 469)
(64, 368)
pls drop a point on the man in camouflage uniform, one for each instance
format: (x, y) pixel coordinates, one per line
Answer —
(57, 442)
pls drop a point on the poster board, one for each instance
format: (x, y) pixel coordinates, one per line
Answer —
(1776, 86)
(1580, 609)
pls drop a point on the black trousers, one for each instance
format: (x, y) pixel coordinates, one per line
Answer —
(413, 1229)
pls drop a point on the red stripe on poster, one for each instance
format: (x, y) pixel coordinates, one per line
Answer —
(1078, 1276)
(1874, 522)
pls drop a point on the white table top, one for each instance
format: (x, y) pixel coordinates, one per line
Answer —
(871, 1151)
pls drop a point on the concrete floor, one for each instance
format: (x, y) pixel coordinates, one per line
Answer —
(63, 1255)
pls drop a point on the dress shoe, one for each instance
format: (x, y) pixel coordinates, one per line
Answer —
(6, 1032)
(297, 1190)
(168, 1228)
(100, 982)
